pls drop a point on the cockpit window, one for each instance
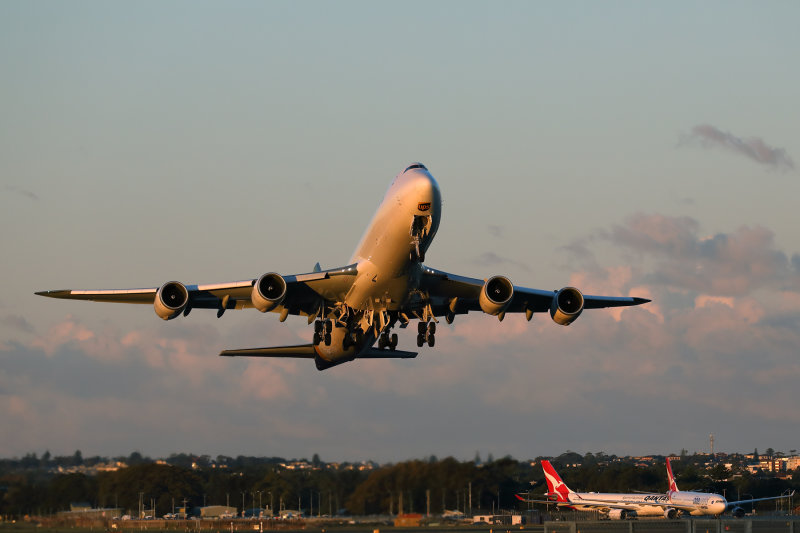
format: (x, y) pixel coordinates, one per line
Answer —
(415, 165)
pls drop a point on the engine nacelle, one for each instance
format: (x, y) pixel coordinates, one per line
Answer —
(621, 514)
(171, 300)
(670, 513)
(268, 292)
(738, 512)
(496, 295)
(567, 306)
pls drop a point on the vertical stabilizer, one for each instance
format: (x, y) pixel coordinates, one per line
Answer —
(555, 485)
(673, 487)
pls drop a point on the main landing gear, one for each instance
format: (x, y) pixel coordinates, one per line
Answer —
(426, 333)
(387, 341)
(322, 332)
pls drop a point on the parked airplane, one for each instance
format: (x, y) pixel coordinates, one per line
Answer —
(384, 283)
(703, 503)
(619, 506)
(616, 506)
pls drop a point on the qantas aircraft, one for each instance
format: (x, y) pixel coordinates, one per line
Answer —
(619, 506)
(615, 506)
(384, 284)
(703, 503)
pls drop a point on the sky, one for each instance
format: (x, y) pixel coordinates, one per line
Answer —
(626, 148)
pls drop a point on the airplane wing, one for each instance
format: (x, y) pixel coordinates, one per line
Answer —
(592, 504)
(304, 294)
(455, 294)
(761, 499)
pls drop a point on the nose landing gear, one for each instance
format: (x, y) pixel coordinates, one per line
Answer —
(322, 332)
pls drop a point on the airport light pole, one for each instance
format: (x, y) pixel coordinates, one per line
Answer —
(243, 493)
(259, 503)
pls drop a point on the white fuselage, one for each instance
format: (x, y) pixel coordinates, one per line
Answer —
(698, 503)
(694, 503)
(636, 502)
(383, 257)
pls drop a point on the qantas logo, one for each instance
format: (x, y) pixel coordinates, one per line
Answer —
(673, 487)
(656, 498)
(554, 483)
(424, 206)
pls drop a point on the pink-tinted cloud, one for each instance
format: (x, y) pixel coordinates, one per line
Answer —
(753, 147)
(725, 264)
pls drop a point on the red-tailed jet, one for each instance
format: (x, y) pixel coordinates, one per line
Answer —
(620, 506)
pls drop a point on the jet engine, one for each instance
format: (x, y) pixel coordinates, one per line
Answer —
(171, 300)
(621, 514)
(567, 306)
(268, 292)
(738, 512)
(496, 295)
(670, 513)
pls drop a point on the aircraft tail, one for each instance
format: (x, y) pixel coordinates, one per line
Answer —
(673, 487)
(555, 485)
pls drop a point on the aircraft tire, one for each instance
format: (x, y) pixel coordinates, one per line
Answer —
(420, 341)
(431, 340)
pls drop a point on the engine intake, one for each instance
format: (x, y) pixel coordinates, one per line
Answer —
(268, 292)
(496, 295)
(567, 306)
(670, 513)
(171, 300)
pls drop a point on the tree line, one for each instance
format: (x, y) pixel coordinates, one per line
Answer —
(429, 485)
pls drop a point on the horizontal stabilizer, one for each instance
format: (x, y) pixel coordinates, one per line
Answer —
(374, 353)
(301, 351)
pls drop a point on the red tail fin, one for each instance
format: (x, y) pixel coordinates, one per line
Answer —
(673, 487)
(555, 485)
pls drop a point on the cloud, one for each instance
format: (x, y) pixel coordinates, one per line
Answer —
(495, 231)
(21, 192)
(724, 264)
(17, 323)
(753, 148)
(491, 259)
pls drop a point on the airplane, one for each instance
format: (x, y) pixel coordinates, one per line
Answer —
(384, 284)
(615, 506)
(703, 503)
(619, 506)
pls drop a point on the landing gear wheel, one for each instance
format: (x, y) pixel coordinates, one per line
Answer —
(431, 340)
(420, 341)
(432, 328)
(318, 326)
(422, 328)
(347, 341)
(327, 339)
(393, 342)
(328, 326)
(317, 338)
(383, 341)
